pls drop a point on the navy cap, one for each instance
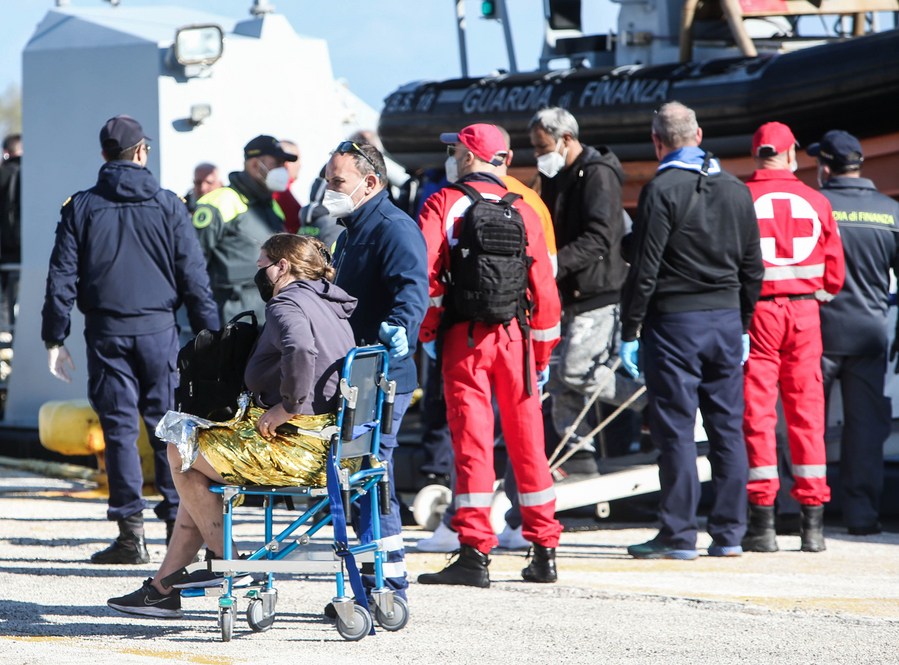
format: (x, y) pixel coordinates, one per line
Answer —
(267, 145)
(119, 133)
(838, 148)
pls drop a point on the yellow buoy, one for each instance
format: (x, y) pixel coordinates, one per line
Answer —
(73, 428)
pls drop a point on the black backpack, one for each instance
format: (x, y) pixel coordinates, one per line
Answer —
(212, 367)
(489, 265)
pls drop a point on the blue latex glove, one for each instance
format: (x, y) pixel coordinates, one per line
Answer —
(745, 349)
(395, 339)
(629, 357)
(542, 379)
(430, 349)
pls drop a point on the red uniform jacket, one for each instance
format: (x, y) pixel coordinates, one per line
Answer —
(439, 219)
(801, 245)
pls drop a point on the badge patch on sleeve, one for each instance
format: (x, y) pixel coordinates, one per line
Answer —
(202, 218)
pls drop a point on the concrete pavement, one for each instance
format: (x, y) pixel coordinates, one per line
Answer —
(839, 606)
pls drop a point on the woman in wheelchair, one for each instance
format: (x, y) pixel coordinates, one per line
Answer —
(293, 376)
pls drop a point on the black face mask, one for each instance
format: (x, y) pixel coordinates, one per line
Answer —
(266, 288)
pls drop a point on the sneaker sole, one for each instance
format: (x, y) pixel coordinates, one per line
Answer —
(677, 555)
(155, 612)
(726, 552)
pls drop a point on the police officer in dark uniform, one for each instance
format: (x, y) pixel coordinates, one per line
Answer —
(125, 250)
(853, 324)
(232, 223)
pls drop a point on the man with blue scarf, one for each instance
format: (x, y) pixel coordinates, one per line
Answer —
(695, 276)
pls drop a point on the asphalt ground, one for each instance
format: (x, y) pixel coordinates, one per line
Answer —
(839, 606)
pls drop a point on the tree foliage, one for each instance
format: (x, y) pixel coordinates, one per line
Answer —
(11, 110)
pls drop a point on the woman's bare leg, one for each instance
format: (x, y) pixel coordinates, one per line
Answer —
(199, 517)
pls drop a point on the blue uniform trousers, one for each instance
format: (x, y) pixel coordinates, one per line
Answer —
(130, 377)
(692, 359)
(391, 525)
(866, 425)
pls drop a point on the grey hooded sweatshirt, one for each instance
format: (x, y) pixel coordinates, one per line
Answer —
(300, 352)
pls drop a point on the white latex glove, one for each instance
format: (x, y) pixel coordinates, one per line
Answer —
(57, 359)
(823, 296)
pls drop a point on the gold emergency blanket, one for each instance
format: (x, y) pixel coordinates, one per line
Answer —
(242, 457)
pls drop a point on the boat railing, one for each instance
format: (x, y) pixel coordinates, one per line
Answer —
(736, 12)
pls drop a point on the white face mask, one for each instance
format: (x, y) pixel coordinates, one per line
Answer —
(552, 162)
(277, 179)
(452, 169)
(339, 204)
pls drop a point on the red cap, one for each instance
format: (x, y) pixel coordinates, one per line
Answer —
(485, 141)
(771, 139)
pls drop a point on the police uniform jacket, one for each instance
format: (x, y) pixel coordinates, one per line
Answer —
(585, 202)
(299, 354)
(854, 322)
(382, 261)
(683, 261)
(232, 223)
(125, 250)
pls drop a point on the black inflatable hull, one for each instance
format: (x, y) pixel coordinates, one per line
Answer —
(851, 84)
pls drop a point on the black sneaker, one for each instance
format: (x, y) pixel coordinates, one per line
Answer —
(148, 602)
(203, 579)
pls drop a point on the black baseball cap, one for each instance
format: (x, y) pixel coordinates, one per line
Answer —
(838, 148)
(121, 132)
(267, 145)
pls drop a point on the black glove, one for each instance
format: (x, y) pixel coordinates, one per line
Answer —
(894, 352)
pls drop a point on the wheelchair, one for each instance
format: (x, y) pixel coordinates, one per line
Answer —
(365, 411)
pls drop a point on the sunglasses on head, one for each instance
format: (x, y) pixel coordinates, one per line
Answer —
(351, 146)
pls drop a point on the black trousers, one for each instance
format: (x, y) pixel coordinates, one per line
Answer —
(866, 425)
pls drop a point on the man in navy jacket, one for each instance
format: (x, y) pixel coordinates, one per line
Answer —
(854, 324)
(381, 259)
(125, 251)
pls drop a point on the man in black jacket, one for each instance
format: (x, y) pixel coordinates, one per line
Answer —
(853, 324)
(126, 252)
(695, 276)
(581, 186)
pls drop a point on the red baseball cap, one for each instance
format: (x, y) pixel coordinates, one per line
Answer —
(771, 139)
(485, 141)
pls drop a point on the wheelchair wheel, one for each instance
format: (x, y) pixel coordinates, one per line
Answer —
(398, 620)
(429, 505)
(226, 621)
(360, 627)
(255, 617)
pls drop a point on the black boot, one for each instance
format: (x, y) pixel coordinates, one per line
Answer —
(469, 569)
(542, 567)
(129, 547)
(811, 530)
(760, 536)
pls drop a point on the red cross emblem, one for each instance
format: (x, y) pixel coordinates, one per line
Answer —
(789, 228)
